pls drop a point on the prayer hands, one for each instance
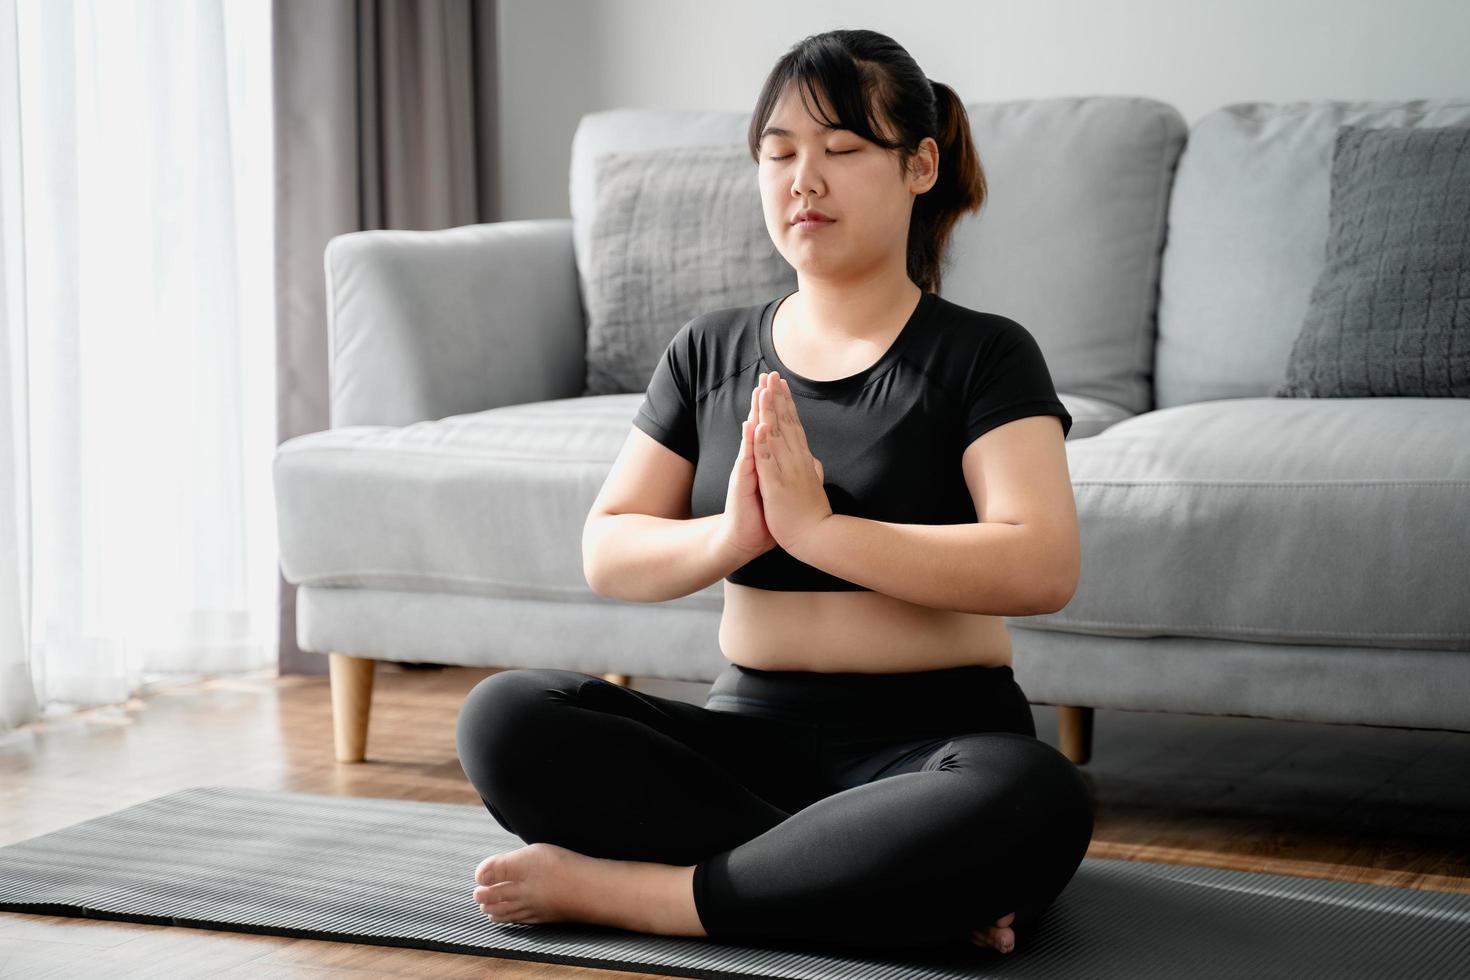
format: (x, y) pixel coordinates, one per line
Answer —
(744, 522)
(789, 476)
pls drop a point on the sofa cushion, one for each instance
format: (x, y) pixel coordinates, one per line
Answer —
(1395, 289)
(1247, 234)
(489, 503)
(1068, 243)
(678, 232)
(1332, 520)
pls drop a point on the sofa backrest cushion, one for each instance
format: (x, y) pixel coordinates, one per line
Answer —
(1068, 243)
(1395, 288)
(677, 232)
(1247, 231)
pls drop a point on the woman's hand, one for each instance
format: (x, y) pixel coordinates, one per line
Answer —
(745, 528)
(790, 476)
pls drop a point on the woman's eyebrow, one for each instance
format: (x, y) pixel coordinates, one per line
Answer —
(778, 131)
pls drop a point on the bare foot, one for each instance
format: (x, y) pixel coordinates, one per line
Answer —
(998, 936)
(544, 882)
(541, 883)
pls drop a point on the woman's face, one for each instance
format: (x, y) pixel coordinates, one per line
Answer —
(839, 173)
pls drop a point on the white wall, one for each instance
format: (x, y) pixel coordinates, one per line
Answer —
(561, 59)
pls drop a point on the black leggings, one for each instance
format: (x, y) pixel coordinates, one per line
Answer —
(865, 811)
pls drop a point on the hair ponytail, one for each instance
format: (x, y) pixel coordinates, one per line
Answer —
(958, 190)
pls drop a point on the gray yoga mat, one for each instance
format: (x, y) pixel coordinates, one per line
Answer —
(398, 873)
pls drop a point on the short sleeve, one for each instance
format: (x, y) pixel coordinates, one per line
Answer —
(1009, 381)
(667, 412)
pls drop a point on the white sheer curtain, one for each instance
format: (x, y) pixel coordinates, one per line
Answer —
(137, 418)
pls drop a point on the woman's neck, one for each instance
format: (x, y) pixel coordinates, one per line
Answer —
(835, 312)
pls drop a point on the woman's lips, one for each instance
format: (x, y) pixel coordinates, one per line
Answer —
(812, 224)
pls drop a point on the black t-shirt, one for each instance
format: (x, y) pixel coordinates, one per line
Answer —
(890, 437)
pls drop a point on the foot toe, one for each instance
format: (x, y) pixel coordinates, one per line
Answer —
(489, 871)
(996, 937)
(503, 891)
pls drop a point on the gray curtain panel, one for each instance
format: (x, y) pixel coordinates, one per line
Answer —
(1390, 313)
(385, 117)
(678, 231)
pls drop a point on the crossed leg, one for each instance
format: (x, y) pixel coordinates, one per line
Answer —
(774, 853)
(972, 829)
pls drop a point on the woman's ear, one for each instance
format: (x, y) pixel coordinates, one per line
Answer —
(926, 165)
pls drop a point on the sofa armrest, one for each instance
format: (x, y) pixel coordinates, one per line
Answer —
(427, 324)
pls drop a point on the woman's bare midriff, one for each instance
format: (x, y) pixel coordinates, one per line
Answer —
(854, 632)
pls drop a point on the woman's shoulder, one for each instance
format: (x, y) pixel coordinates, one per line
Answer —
(963, 333)
(956, 316)
(717, 342)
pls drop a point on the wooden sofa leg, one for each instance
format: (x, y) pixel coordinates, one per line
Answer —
(352, 701)
(1074, 731)
(621, 680)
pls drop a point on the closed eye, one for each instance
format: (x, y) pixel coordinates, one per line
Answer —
(833, 152)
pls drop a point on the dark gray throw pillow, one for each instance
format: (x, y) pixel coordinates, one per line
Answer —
(1390, 313)
(677, 231)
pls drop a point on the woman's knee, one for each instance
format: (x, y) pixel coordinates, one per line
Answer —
(1043, 789)
(1063, 790)
(1035, 798)
(1058, 806)
(506, 710)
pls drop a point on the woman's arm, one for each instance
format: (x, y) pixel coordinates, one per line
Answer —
(1023, 558)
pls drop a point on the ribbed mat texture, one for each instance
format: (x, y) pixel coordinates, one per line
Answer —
(399, 873)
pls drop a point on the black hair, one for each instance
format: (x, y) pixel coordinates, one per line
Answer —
(865, 74)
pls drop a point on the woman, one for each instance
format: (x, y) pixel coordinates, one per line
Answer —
(865, 773)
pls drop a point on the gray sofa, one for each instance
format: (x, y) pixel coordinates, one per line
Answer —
(1289, 558)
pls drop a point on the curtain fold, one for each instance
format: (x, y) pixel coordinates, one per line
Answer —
(170, 172)
(137, 521)
(18, 701)
(386, 116)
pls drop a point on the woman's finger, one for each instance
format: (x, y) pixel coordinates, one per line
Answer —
(781, 448)
(797, 430)
(766, 455)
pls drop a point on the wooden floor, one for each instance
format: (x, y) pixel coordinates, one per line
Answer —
(1382, 805)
